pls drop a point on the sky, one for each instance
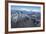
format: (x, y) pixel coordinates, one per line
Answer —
(27, 8)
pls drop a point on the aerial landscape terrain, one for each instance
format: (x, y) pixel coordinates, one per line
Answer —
(22, 17)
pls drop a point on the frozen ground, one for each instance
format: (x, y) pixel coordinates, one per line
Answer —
(20, 19)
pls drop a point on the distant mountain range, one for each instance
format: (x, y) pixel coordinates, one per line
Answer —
(23, 12)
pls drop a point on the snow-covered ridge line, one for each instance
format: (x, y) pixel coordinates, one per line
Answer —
(25, 9)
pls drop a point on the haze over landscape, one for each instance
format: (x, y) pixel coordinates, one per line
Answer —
(25, 16)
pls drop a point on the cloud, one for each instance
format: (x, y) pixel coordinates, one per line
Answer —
(21, 9)
(36, 10)
(26, 9)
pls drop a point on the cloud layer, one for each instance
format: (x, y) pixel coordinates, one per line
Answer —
(25, 9)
